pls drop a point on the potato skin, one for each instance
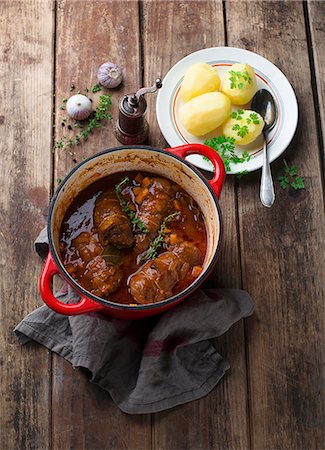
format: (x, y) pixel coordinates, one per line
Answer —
(204, 113)
(239, 84)
(253, 122)
(199, 79)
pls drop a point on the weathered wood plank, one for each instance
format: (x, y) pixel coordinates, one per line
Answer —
(317, 29)
(88, 34)
(171, 31)
(282, 256)
(25, 121)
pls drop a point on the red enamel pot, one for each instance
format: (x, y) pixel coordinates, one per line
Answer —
(168, 163)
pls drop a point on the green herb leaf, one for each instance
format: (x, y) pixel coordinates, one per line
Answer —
(298, 183)
(151, 253)
(291, 178)
(241, 174)
(126, 208)
(101, 113)
(96, 88)
(226, 149)
(241, 130)
(239, 79)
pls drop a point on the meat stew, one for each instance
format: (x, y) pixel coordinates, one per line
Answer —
(133, 238)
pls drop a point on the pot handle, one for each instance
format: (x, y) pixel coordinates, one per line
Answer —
(83, 306)
(219, 168)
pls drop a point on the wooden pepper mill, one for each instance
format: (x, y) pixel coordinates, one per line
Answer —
(131, 127)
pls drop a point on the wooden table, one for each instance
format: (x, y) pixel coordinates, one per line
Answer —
(272, 398)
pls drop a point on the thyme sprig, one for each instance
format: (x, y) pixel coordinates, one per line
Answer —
(151, 253)
(101, 113)
(126, 208)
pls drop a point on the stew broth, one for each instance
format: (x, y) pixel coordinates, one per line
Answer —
(125, 275)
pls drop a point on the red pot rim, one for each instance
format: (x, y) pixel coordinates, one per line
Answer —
(120, 306)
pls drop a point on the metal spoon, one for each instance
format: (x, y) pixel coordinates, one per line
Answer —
(264, 104)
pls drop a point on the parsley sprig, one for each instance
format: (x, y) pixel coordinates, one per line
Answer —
(151, 253)
(239, 79)
(126, 208)
(290, 178)
(226, 149)
(238, 115)
(253, 117)
(241, 130)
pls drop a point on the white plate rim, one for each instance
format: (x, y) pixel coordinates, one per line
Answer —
(267, 68)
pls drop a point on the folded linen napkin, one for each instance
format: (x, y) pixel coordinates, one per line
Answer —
(146, 365)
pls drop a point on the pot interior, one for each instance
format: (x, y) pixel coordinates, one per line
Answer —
(142, 159)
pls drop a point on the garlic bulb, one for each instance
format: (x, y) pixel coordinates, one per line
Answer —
(79, 107)
(109, 75)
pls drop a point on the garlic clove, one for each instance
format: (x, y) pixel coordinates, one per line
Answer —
(79, 107)
(110, 75)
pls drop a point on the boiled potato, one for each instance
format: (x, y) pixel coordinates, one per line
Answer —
(199, 79)
(239, 83)
(244, 126)
(204, 113)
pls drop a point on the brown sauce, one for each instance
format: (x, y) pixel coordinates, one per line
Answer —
(83, 260)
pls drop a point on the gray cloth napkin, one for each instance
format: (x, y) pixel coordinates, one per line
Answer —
(146, 365)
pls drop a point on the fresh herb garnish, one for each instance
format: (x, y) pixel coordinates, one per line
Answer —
(101, 113)
(226, 149)
(240, 175)
(253, 117)
(96, 88)
(237, 79)
(151, 253)
(291, 178)
(238, 115)
(241, 130)
(126, 208)
(58, 180)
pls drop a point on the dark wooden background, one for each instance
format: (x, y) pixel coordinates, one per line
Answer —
(273, 397)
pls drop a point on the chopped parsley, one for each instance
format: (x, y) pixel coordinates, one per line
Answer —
(239, 79)
(225, 146)
(290, 178)
(238, 115)
(241, 130)
(240, 175)
(253, 118)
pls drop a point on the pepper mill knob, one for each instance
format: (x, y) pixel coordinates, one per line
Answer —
(131, 127)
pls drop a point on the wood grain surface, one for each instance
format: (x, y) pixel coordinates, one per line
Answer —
(282, 251)
(88, 34)
(25, 121)
(316, 27)
(273, 396)
(174, 28)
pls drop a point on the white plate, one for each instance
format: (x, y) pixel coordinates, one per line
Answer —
(268, 77)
